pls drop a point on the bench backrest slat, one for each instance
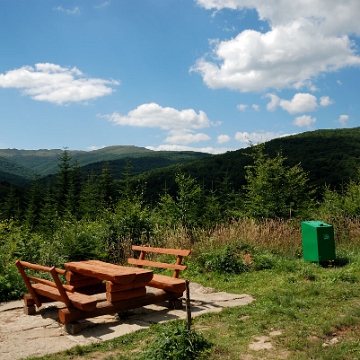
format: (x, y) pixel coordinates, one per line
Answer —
(179, 252)
(177, 267)
(156, 264)
(54, 273)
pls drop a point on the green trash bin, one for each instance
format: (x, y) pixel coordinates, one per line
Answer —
(317, 241)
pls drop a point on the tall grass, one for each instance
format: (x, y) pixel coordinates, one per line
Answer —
(278, 236)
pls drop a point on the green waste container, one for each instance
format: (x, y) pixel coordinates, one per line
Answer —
(317, 241)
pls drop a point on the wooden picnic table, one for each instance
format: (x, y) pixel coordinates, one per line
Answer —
(126, 287)
(110, 272)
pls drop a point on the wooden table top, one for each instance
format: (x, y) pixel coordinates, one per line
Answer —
(110, 272)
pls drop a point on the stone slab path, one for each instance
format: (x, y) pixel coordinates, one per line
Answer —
(23, 336)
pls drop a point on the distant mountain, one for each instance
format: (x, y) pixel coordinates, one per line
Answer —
(331, 157)
(27, 163)
(14, 172)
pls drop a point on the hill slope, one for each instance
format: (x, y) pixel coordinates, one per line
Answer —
(27, 163)
(331, 157)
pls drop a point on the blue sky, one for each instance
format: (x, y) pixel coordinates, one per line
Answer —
(203, 75)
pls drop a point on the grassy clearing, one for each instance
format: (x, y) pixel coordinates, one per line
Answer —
(302, 310)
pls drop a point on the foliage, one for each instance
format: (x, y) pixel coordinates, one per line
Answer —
(274, 190)
(11, 284)
(223, 261)
(174, 341)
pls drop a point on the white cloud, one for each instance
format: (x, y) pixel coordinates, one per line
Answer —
(301, 102)
(56, 84)
(74, 11)
(209, 150)
(274, 103)
(332, 15)
(304, 41)
(304, 121)
(241, 107)
(154, 116)
(222, 139)
(185, 136)
(255, 107)
(102, 5)
(92, 148)
(325, 101)
(246, 138)
(343, 119)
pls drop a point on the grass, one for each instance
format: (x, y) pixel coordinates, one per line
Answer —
(303, 310)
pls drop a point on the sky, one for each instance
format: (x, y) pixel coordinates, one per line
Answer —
(198, 75)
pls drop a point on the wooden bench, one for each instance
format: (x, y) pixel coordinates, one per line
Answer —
(170, 284)
(42, 290)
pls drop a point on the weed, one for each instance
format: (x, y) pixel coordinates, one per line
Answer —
(174, 341)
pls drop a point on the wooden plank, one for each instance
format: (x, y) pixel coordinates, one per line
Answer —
(40, 267)
(112, 287)
(156, 264)
(67, 315)
(180, 252)
(124, 295)
(28, 283)
(80, 301)
(86, 281)
(29, 301)
(92, 270)
(141, 275)
(50, 283)
(62, 292)
(74, 276)
(168, 283)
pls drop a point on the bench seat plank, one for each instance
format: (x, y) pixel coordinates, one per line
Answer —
(168, 283)
(80, 301)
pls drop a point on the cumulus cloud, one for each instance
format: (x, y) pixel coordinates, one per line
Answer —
(209, 150)
(255, 107)
(56, 84)
(246, 138)
(343, 119)
(304, 121)
(303, 42)
(221, 139)
(155, 116)
(301, 102)
(241, 107)
(185, 136)
(325, 101)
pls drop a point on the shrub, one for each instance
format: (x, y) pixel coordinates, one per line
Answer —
(11, 284)
(223, 262)
(174, 341)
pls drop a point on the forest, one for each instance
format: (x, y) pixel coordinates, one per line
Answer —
(74, 217)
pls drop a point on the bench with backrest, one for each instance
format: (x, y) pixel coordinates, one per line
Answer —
(167, 283)
(42, 290)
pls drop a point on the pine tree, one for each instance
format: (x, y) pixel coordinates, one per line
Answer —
(63, 182)
(34, 204)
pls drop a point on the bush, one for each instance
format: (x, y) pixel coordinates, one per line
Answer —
(223, 262)
(174, 341)
(11, 284)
